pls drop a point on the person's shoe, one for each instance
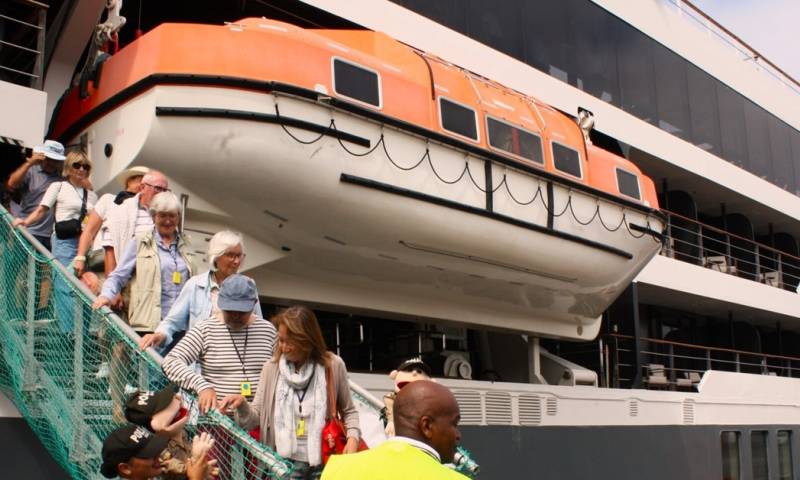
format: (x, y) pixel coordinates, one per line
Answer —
(103, 371)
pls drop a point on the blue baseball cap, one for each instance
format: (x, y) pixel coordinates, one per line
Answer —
(237, 294)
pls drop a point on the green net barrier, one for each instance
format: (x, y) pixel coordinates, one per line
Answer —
(53, 348)
(69, 369)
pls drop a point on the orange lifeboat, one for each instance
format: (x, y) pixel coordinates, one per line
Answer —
(371, 175)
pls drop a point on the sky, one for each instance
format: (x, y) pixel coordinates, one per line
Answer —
(766, 25)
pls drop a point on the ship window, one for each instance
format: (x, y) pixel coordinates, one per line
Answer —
(514, 140)
(758, 450)
(730, 456)
(458, 119)
(356, 82)
(785, 455)
(628, 184)
(566, 160)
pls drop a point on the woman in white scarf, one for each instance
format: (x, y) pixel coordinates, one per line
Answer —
(291, 402)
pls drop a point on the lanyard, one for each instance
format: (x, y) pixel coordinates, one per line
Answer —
(242, 356)
(302, 397)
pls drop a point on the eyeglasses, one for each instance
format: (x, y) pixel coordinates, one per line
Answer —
(81, 166)
(234, 256)
(157, 188)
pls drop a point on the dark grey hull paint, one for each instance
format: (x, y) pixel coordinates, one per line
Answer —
(618, 453)
(22, 455)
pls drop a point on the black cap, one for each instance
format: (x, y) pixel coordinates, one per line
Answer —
(130, 441)
(143, 404)
(413, 363)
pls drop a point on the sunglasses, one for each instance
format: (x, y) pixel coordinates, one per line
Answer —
(81, 166)
(157, 188)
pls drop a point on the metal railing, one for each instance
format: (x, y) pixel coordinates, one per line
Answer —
(680, 360)
(694, 242)
(22, 41)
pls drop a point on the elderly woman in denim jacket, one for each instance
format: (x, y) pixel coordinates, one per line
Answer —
(198, 299)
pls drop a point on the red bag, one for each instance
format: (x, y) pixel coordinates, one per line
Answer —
(334, 435)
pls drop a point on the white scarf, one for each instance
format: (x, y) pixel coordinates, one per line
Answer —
(287, 403)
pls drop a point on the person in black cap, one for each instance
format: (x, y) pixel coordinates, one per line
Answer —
(162, 413)
(133, 452)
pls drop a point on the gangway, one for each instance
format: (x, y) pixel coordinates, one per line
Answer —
(53, 345)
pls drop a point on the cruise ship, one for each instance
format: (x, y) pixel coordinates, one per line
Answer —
(677, 362)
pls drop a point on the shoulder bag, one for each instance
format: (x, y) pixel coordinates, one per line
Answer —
(334, 434)
(71, 228)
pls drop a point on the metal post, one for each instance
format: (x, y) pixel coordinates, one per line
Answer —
(758, 261)
(708, 360)
(700, 244)
(637, 345)
(77, 453)
(38, 68)
(738, 366)
(671, 363)
(31, 366)
(600, 347)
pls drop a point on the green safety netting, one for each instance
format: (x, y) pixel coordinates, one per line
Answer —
(51, 357)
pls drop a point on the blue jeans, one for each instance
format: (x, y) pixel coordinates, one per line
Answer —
(64, 250)
(304, 471)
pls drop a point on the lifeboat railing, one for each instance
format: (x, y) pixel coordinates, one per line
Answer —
(674, 365)
(22, 43)
(712, 247)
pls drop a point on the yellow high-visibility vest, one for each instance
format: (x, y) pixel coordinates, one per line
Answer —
(389, 461)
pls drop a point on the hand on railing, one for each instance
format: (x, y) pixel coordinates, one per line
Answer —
(100, 302)
(207, 400)
(151, 340)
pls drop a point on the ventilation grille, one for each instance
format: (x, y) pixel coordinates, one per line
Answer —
(552, 406)
(530, 410)
(469, 402)
(688, 412)
(498, 408)
(633, 408)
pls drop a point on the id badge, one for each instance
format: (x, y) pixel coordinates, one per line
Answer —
(245, 389)
(301, 427)
(176, 277)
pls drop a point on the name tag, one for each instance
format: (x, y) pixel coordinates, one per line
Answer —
(176, 277)
(301, 427)
(245, 389)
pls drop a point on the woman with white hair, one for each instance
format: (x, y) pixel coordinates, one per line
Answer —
(198, 299)
(162, 262)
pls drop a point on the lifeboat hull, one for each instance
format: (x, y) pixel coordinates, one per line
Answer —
(358, 215)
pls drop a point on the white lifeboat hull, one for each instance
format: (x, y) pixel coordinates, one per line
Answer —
(330, 225)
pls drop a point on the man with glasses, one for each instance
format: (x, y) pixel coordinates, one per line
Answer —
(32, 180)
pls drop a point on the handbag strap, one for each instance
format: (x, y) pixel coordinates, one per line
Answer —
(83, 205)
(331, 392)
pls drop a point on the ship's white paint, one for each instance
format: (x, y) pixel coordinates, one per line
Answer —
(329, 242)
(418, 31)
(22, 116)
(695, 280)
(723, 398)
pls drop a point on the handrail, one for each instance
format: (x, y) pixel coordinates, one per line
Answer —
(35, 32)
(703, 347)
(756, 54)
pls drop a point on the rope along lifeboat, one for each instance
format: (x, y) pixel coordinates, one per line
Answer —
(374, 175)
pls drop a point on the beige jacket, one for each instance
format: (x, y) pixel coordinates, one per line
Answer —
(259, 413)
(144, 311)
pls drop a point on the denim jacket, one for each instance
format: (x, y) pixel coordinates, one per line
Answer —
(192, 305)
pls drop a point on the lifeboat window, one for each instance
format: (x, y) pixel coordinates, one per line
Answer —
(758, 449)
(567, 160)
(785, 455)
(628, 184)
(730, 456)
(458, 119)
(515, 141)
(356, 82)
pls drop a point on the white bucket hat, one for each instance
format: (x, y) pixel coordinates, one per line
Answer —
(51, 149)
(123, 177)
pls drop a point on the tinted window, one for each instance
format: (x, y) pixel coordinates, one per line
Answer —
(703, 110)
(730, 455)
(636, 73)
(781, 150)
(786, 469)
(758, 147)
(594, 51)
(795, 142)
(566, 160)
(628, 184)
(731, 121)
(758, 448)
(499, 26)
(546, 40)
(514, 140)
(357, 83)
(458, 119)
(672, 96)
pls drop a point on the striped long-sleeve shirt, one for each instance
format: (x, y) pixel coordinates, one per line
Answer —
(210, 343)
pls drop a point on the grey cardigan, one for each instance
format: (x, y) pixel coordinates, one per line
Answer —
(259, 412)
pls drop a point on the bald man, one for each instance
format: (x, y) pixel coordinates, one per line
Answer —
(426, 419)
